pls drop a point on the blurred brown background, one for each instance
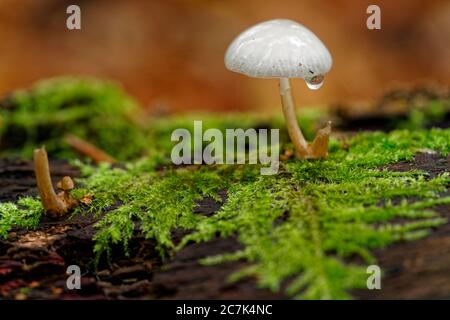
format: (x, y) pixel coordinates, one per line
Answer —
(169, 53)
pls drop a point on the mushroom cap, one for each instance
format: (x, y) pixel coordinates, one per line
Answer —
(278, 48)
(66, 184)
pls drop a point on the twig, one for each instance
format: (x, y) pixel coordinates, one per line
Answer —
(88, 149)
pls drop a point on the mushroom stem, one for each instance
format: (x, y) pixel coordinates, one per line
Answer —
(54, 205)
(287, 101)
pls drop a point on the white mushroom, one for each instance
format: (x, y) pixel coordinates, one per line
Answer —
(284, 49)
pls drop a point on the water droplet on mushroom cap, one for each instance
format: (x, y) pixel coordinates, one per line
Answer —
(315, 82)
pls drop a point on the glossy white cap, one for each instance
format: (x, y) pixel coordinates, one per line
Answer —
(279, 49)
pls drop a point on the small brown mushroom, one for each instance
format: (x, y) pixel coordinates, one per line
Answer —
(55, 205)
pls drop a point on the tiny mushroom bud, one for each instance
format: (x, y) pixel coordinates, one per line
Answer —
(284, 49)
(66, 184)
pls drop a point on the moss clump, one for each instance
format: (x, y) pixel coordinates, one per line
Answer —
(433, 112)
(332, 209)
(25, 214)
(97, 111)
(102, 114)
(300, 224)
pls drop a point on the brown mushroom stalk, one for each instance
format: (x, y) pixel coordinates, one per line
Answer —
(304, 150)
(55, 205)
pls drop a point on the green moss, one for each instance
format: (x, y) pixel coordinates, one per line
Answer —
(97, 111)
(300, 225)
(25, 214)
(338, 207)
(102, 114)
(160, 130)
(432, 112)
